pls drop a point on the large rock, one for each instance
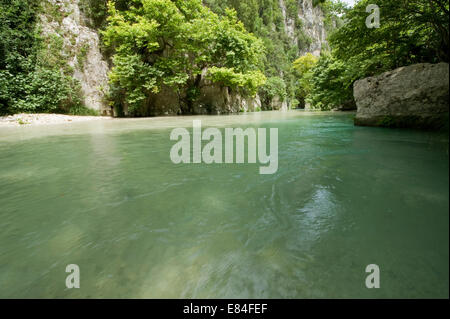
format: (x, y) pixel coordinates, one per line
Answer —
(212, 99)
(278, 103)
(275, 103)
(217, 99)
(415, 96)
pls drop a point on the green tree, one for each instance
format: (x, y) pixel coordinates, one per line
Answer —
(304, 64)
(275, 86)
(330, 84)
(303, 70)
(411, 31)
(17, 39)
(163, 42)
(265, 19)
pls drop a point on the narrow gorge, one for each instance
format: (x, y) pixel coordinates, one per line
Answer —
(68, 26)
(224, 149)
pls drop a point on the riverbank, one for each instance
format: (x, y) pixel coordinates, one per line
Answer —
(46, 119)
(93, 124)
(43, 119)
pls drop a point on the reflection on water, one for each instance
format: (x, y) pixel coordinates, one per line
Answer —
(105, 196)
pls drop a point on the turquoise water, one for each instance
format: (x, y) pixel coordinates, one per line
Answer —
(105, 195)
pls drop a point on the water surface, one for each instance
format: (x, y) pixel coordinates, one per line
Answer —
(105, 196)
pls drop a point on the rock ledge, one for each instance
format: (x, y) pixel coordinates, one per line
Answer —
(415, 96)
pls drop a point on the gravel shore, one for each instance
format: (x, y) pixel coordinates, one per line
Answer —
(45, 119)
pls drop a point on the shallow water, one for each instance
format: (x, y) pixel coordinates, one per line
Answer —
(106, 196)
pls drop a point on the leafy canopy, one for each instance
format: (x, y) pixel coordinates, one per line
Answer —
(411, 31)
(30, 81)
(303, 70)
(304, 63)
(163, 42)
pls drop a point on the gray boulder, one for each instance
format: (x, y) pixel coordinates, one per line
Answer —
(415, 96)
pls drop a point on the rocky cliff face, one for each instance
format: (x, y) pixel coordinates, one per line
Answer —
(213, 99)
(415, 96)
(80, 48)
(313, 28)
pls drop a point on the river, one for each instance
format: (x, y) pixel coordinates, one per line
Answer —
(105, 196)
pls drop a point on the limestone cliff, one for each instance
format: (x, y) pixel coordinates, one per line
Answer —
(312, 26)
(63, 22)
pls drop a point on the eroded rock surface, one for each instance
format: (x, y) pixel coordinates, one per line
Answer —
(415, 96)
(81, 49)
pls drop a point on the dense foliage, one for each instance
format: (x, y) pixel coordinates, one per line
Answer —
(163, 42)
(274, 87)
(240, 44)
(303, 70)
(264, 18)
(411, 31)
(96, 11)
(31, 79)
